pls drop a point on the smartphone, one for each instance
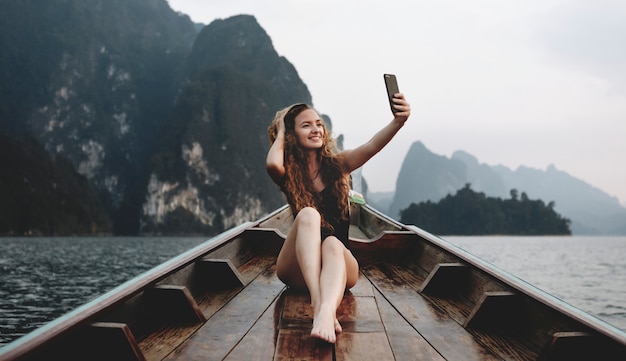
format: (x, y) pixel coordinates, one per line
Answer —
(392, 88)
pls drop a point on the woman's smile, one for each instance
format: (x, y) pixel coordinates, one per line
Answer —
(309, 129)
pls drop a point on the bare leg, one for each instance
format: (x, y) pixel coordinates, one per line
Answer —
(300, 258)
(332, 286)
(340, 270)
(325, 269)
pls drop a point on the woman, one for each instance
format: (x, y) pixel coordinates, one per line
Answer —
(303, 162)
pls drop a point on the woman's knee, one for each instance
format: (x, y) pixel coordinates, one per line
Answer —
(332, 246)
(310, 216)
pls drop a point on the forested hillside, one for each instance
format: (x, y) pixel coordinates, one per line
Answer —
(42, 196)
(473, 213)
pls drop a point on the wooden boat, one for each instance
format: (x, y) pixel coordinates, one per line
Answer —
(418, 298)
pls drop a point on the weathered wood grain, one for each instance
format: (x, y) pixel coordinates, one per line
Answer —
(405, 341)
(260, 342)
(449, 338)
(363, 346)
(219, 335)
(164, 340)
(296, 344)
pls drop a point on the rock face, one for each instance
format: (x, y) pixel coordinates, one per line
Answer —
(209, 168)
(166, 121)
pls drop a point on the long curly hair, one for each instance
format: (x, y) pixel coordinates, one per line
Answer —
(297, 185)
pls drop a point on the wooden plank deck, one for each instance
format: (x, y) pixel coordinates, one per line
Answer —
(383, 318)
(227, 327)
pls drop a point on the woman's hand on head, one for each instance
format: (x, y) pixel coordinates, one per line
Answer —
(277, 128)
(281, 121)
(403, 107)
(274, 162)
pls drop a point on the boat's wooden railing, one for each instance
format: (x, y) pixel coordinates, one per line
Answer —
(487, 300)
(173, 293)
(516, 304)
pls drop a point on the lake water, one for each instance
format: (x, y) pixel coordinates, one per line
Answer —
(44, 278)
(589, 273)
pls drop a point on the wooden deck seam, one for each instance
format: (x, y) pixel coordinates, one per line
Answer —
(400, 349)
(409, 323)
(222, 332)
(431, 318)
(248, 280)
(520, 349)
(258, 321)
(419, 290)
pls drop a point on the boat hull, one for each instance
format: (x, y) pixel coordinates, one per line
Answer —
(418, 297)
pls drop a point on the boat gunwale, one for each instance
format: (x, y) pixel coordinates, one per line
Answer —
(525, 288)
(77, 317)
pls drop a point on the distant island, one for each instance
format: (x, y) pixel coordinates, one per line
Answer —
(473, 213)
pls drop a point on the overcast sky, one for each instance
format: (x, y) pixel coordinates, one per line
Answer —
(533, 82)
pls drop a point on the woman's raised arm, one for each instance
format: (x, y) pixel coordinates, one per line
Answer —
(354, 158)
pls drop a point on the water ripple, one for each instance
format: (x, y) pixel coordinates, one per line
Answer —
(588, 272)
(44, 278)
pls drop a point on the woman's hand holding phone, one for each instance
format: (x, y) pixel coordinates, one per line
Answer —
(399, 106)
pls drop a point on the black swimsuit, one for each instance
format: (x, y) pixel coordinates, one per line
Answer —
(328, 207)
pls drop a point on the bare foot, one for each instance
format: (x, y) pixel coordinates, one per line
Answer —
(325, 325)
